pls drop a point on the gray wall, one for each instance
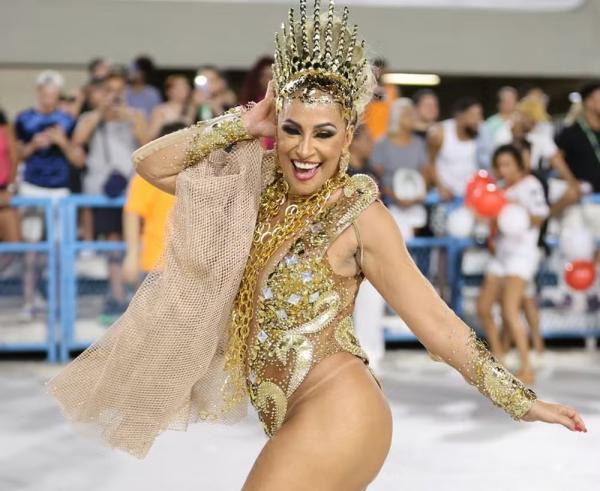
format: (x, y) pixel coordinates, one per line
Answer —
(191, 33)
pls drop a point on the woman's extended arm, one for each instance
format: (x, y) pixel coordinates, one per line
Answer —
(162, 159)
(389, 267)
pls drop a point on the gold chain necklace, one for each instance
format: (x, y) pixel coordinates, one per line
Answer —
(266, 240)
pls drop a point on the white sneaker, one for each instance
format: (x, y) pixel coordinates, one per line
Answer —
(92, 266)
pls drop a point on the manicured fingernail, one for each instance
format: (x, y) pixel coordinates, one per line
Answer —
(577, 427)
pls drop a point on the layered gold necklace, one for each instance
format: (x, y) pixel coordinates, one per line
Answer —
(266, 240)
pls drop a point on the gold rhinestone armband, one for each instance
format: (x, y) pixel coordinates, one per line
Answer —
(223, 132)
(494, 381)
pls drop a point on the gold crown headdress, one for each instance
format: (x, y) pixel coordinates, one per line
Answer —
(320, 63)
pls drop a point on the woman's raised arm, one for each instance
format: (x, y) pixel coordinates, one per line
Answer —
(390, 268)
(160, 160)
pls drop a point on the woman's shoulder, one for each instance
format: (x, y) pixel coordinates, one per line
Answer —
(375, 222)
(349, 201)
(362, 186)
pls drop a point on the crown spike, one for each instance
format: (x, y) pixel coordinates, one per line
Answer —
(351, 46)
(277, 62)
(293, 38)
(329, 32)
(304, 27)
(342, 38)
(317, 31)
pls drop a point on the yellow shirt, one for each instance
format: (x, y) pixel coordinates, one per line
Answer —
(153, 206)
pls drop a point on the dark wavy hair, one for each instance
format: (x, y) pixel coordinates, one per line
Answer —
(513, 151)
(251, 89)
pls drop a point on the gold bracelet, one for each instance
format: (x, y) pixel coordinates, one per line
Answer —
(495, 382)
(225, 131)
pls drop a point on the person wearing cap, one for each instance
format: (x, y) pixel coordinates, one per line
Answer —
(43, 144)
(580, 142)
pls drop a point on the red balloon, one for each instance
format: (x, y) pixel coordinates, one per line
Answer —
(476, 186)
(580, 275)
(490, 202)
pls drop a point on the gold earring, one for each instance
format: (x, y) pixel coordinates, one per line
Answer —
(285, 187)
(344, 162)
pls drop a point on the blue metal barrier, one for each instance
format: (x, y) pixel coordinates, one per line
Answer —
(69, 248)
(48, 247)
(68, 207)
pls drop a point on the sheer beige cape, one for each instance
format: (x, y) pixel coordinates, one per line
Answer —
(160, 365)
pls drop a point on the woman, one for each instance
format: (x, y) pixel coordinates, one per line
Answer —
(177, 108)
(211, 96)
(305, 235)
(516, 257)
(530, 300)
(401, 149)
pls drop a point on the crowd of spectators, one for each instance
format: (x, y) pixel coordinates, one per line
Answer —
(82, 143)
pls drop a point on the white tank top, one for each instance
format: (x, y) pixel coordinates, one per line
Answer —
(456, 161)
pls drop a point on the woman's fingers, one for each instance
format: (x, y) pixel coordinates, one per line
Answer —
(549, 412)
(579, 422)
(576, 418)
(570, 418)
(270, 93)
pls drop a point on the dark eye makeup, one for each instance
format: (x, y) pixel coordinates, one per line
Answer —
(292, 130)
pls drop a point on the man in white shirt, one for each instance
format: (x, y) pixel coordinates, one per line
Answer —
(452, 149)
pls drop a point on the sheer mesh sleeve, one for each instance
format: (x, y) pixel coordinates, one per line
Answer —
(459, 346)
(170, 154)
(161, 364)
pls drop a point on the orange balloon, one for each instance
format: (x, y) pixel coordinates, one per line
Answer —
(490, 202)
(580, 275)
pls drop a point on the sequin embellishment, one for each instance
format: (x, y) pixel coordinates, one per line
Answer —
(303, 310)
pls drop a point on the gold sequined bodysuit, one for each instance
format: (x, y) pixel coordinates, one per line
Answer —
(303, 308)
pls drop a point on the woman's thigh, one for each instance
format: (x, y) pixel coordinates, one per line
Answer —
(512, 296)
(336, 436)
(490, 292)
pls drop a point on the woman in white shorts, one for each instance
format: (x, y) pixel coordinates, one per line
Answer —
(516, 258)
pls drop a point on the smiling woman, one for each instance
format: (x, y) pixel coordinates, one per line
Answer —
(265, 255)
(310, 141)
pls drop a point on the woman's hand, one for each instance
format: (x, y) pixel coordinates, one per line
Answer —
(549, 412)
(260, 119)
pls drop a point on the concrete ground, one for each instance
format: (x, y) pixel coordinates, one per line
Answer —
(447, 437)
